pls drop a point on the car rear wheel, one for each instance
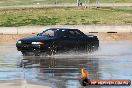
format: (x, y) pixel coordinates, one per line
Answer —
(91, 47)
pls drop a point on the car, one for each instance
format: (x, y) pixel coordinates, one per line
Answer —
(56, 40)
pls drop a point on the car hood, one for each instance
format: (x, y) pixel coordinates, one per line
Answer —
(36, 38)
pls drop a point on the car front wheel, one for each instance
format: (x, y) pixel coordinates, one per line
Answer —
(52, 50)
(27, 53)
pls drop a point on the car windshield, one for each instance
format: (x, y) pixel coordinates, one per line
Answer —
(49, 33)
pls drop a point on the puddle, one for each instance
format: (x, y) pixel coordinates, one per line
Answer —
(111, 61)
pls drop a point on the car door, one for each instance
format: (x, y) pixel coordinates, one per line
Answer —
(81, 40)
(73, 40)
(68, 41)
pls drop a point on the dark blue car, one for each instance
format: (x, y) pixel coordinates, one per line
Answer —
(56, 40)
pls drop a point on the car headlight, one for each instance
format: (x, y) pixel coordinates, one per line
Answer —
(19, 42)
(37, 43)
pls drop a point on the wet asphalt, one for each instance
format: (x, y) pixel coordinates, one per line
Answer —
(113, 60)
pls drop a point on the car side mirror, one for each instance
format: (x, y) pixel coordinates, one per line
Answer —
(38, 34)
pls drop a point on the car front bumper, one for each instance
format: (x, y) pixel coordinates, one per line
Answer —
(31, 47)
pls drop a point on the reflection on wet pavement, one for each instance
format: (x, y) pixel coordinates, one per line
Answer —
(111, 61)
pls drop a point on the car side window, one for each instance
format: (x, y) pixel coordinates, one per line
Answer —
(78, 34)
(57, 33)
(48, 33)
(74, 34)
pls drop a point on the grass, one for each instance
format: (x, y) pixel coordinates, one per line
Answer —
(43, 2)
(116, 1)
(66, 16)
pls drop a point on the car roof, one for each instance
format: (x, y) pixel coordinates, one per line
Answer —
(61, 29)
